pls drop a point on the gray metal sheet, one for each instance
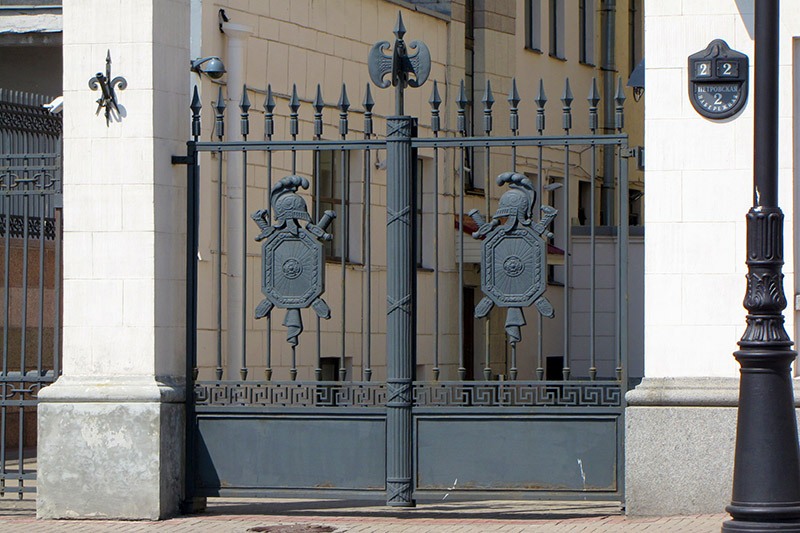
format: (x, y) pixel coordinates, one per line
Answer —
(517, 453)
(291, 452)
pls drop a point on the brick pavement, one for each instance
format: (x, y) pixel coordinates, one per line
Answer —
(328, 516)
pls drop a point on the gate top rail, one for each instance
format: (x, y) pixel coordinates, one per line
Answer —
(417, 142)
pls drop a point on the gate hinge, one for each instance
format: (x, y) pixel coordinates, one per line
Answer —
(180, 159)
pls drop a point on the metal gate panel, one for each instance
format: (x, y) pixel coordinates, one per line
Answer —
(555, 431)
(290, 450)
(30, 269)
(513, 450)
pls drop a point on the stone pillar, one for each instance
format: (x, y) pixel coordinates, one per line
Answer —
(111, 429)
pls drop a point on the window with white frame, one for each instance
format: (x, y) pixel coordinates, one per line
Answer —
(337, 189)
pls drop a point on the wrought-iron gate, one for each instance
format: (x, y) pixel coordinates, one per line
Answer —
(30, 255)
(391, 409)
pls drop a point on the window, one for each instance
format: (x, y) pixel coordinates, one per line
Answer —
(423, 220)
(533, 25)
(635, 34)
(329, 187)
(586, 21)
(557, 29)
(469, 88)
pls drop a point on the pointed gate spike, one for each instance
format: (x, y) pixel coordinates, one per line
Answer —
(461, 99)
(369, 103)
(513, 94)
(488, 97)
(196, 104)
(619, 98)
(567, 97)
(220, 104)
(318, 103)
(541, 98)
(435, 99)
(244, 104)
(269, 101)
(344, 102)
(461, 102)
(294, 101)
(594, 94)
(399, 27)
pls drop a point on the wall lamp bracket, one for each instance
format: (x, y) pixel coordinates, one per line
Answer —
(213, 67)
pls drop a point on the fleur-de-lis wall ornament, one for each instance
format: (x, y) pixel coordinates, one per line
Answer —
(293, 258)
(108, 96)
(514, 255)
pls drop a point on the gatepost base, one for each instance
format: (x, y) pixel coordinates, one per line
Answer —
(110, 449)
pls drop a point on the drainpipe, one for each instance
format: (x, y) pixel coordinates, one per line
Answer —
(235, 60)
(608, 69)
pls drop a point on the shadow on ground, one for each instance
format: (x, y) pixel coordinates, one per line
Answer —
(482, 510)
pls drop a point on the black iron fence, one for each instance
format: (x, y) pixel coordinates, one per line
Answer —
(30, 269)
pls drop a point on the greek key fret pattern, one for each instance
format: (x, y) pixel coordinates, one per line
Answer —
(290, 394)
(426, 394)
(517, 394)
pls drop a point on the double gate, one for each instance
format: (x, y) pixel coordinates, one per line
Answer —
(321, 367)
(30, 269)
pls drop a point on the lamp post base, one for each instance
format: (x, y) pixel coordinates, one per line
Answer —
(732, 526)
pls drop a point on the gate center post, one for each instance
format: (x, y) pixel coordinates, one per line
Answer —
(401, 313)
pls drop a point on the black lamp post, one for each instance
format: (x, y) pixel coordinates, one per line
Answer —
(766, 477)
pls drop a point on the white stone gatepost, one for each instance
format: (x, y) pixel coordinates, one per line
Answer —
(111, 429)
(681, 420)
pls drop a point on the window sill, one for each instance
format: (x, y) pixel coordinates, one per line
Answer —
(554, 56)
(537, 51)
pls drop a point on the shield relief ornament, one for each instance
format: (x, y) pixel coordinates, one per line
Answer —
(514, 255)
(292, 256)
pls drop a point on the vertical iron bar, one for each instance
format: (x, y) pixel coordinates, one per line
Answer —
(269, 129)
(6, 307)
(318, 106)
(488, 102)
(623, 238)
(401, 346)
(461, 102)
(622, 233)
(368, 104)
(435, 102)
(25, 245)
(344, 105)
(594, 99)
(541, 101)
(317, 214)
(219, 125)
(40, 338)
(7, 276)
(192, 230)
(566, 99)
(244, 106)
(513, 102)
(294, 106)
(57, 295)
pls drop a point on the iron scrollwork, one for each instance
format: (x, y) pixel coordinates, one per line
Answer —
(108, 95)
(293, 261)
